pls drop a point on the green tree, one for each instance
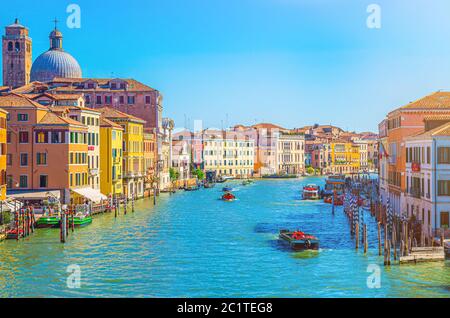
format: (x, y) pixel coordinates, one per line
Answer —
(199, 174)
(310, 170)
(174, 174)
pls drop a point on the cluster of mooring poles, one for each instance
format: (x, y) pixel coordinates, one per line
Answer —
(400, 239)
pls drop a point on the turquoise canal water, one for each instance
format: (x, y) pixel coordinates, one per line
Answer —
(194, 245)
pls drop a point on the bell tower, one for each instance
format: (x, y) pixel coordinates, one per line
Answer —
(17, 55)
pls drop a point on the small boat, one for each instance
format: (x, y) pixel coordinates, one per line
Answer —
(209, 185)
(227, 189)
(192, 188)
(81, 219)
(48, 222)
(311, 192)
(220, 179)
(338, 200)
(13, 233)
(229, 197)
(299, 241)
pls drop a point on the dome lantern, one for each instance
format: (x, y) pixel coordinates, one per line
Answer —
(56, 38)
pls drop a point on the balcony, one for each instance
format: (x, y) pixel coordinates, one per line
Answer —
(93, 172)
(415, 193)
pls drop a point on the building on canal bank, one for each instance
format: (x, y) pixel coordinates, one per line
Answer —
(291, 154)
(150, 155)
(133, 150)
(47, 151)
(227, 153)
(403, 122)
(3, 153)
(111, 154)
(427, 194)
(345, 157)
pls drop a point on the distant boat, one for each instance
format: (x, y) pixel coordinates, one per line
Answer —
(209, 185)
(227, 189)
(299, 241)
(311, 192)
(192, 188)
(228, 197)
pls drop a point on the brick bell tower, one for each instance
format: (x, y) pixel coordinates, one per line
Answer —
(17, 55)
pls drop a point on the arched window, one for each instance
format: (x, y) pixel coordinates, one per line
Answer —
(17, 47)
(10, 46)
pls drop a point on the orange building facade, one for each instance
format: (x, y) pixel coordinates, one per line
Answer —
(45, 151)
(402, 123)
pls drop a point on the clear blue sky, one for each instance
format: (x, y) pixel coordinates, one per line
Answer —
(290, 62)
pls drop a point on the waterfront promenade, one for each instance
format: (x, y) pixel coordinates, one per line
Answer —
(194, 245)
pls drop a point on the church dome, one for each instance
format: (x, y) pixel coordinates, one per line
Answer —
(55, 62)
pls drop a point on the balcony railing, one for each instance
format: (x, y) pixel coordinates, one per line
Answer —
(415, 193)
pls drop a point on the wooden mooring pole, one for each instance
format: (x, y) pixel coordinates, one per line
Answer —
(379, 238)
(357, 235)
(365, 239)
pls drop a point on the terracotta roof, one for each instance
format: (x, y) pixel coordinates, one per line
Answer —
(443, 130)
(133, 85)
(30, 88)
(268, 126)
(58, 96)
(437, 100)
(104, 122)
(18, 100)
(109, 113)
(52, 118)
(60, 108)
(436, 117)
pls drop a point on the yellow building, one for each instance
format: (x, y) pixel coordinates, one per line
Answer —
(111, 138)
(133, 150)
(345, 157)
(3, 152)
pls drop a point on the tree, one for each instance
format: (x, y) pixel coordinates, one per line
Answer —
(199, 174)
(174, 174)
(310, 170)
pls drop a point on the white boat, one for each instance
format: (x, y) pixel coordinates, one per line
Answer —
(311, 192)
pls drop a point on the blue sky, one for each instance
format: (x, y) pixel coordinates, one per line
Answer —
(290, 62)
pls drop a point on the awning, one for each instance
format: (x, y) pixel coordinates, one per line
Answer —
(91, 194)
(36, 195)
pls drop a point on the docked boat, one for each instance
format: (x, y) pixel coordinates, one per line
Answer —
(81, 219)
(229, 197)
(14, 234)
(311, 192)
(299, 241)
(48, 222)
(227, 189)
(246, 182)
(334, 184)
(338, 200)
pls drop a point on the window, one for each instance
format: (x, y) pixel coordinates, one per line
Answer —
(444, 187)
(43, 181)
(41, 136)
(17, 46)
(9, 159)
(24, 159)
(99, 100)
(88, 99)
(108, 99)
(121, 100)
(444, 220)
(444, 155)
(428, 155)
(22, 117)
(23, 182)
(8, 137)
(10, 46)
(147, 100)
(23, 137)
(56, 137)
(41, 158)
(131, 100)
